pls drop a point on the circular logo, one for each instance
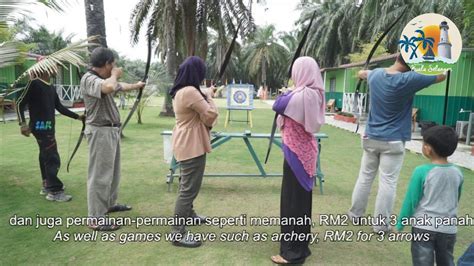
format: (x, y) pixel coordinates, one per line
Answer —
(430, 44)
(240, 97)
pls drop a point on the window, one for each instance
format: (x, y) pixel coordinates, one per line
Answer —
(332, 85)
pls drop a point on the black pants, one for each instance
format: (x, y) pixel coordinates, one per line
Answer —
(192, 171)
(49, 162)
(295, 202)
(439, 246)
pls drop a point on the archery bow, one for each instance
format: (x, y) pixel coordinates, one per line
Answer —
(221, 73)
(367, 62)
(297, 54)
(81, 136)
(228, 53)
(140, 92)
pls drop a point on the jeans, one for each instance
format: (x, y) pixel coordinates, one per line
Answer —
(439, 246)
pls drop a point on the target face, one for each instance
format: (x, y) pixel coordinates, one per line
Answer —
(240, 96)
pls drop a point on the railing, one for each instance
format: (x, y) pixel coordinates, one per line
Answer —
(348, 103)
(69, 93)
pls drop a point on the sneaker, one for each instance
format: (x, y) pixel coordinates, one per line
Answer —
(353, 219)
(384, 231)
(187, 241)
(58, 196)
(43, 191)
(198, 220)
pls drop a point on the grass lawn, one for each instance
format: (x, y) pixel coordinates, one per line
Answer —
(143, 186)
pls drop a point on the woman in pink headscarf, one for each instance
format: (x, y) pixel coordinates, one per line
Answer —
(301, 113)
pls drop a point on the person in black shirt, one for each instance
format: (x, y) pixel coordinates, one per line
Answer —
(42, 101)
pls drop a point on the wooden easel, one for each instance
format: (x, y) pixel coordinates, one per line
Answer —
(228, 117)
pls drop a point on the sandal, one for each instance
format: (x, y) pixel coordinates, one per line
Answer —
(119, 208)
(278, 259)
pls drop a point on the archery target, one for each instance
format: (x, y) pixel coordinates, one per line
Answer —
(240, 97)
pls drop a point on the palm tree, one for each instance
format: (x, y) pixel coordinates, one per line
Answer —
(11, 9)
(70, 55)
(468, 32)
(216, 52)
(51, 63)
(46, 42)
(290, 40)
(264, 52)
(95, 20)
(377, 15)
(160, 82)
(406, 44)
(11, 51)
(332, 35)
(182, 27)
(341, 25)
(422, 41)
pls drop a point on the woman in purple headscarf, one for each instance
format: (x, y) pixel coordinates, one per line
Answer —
(196, 113)
(301, 113)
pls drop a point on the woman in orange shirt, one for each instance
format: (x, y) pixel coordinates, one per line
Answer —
(196, 113)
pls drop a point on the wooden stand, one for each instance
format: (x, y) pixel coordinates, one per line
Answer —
(228, 117)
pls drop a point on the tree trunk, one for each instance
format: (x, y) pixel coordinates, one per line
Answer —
(171, 64)
(188, 8)
(95, 20)
(201, 39)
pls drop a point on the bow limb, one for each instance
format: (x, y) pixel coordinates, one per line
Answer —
(78, 144)
(228, 53)
(367, 62)
(140, 92)
(301, 45)
(297, 54)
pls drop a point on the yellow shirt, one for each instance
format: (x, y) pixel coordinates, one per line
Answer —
(194, 118)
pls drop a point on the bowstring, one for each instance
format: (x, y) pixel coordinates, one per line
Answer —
(69, 140)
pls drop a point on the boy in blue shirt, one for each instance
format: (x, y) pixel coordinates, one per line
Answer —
(432, 196)
(388, 128)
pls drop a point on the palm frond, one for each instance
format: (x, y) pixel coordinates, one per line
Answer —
(13, 52)
(69, 55)
(57, 5)
(137, 17)
(11, 9)
(9, 53)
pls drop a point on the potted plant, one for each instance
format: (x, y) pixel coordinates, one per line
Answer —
(346, 117)
(78, 104)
